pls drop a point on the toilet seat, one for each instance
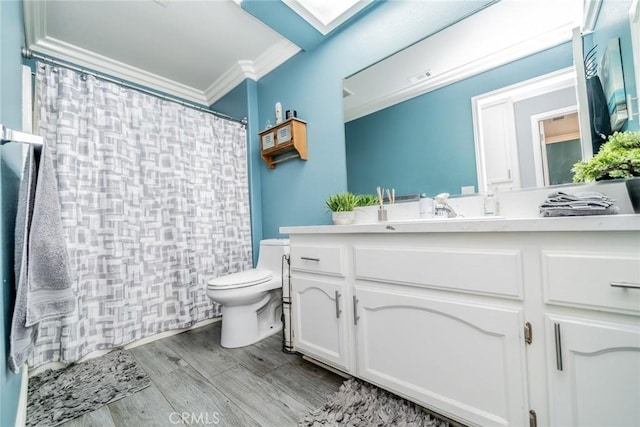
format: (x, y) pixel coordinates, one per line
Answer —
(240, 280)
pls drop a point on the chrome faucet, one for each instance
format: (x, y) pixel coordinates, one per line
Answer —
(442, 208)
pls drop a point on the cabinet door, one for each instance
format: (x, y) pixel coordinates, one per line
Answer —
(464, 360)
(594, 372)
(320, 325)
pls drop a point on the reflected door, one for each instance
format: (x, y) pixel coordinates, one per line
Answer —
(496, 150)
(560, 147)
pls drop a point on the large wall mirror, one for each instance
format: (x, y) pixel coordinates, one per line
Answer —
(479, 105)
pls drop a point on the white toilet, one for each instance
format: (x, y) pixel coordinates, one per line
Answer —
(252, 300)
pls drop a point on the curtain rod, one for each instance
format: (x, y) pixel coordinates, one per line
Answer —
(29, 54)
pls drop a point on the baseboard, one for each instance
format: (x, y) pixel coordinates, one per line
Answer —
(142, 341)
(166, 334)
(327, 367)
(21, 415)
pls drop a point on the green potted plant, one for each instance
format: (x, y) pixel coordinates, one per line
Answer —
(341, 205)
(619, 157)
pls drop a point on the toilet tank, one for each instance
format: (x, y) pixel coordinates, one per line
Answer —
(270, 255)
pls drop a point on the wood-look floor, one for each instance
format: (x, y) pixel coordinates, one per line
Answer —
(194, 379)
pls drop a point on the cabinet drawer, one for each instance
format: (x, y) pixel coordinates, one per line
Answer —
(318, 259)
(497, 272)
(584, 279)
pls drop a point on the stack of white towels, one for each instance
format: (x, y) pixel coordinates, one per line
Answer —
(580, 204)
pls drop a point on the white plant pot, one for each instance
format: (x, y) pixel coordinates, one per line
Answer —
(343, 218)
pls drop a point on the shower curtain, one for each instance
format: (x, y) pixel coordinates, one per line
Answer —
(154, 202)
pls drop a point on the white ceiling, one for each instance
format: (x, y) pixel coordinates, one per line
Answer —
(197, 50)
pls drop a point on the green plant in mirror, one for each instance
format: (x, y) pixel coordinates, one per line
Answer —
(619, 157)
(367, 200)
(342, 202)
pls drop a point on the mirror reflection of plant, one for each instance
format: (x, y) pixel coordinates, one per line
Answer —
(342, 202)
(619, 157)
(367, 200)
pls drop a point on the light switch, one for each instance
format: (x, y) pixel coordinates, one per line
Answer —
(468, 190)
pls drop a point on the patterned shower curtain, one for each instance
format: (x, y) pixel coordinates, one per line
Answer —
(154, 202)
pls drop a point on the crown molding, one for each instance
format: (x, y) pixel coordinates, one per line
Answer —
(274, 57)
(496, 59)
(235, 75)
(35, 21)
(82, 57)
(591, 12)
(246, 69)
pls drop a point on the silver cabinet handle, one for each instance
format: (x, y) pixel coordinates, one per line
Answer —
(625, 285)
(306, 258)
(338, 311)
(355, 310)
(556, 330)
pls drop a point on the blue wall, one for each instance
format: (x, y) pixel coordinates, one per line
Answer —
(311, 82)
(11, 31)
(234, 103)
(432, 135)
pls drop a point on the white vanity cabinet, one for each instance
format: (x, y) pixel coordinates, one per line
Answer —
(402, 314)
(592, 325)
(472, 320)
(320, 298)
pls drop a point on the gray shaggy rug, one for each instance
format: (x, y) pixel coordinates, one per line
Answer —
(56, 396)
(360, 404)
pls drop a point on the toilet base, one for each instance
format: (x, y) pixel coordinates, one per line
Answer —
(245, 325)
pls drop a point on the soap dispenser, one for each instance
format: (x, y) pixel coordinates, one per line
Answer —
(426, 206)
(491, 203)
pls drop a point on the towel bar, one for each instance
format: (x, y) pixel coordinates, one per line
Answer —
(9, 135)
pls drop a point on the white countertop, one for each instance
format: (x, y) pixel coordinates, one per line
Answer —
(629, 222)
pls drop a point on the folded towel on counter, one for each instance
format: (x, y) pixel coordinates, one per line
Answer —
(41, 261)
(580, 204)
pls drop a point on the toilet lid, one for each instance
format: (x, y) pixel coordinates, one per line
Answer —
(241, 279)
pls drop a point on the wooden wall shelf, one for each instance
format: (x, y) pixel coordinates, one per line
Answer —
(288, 136)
